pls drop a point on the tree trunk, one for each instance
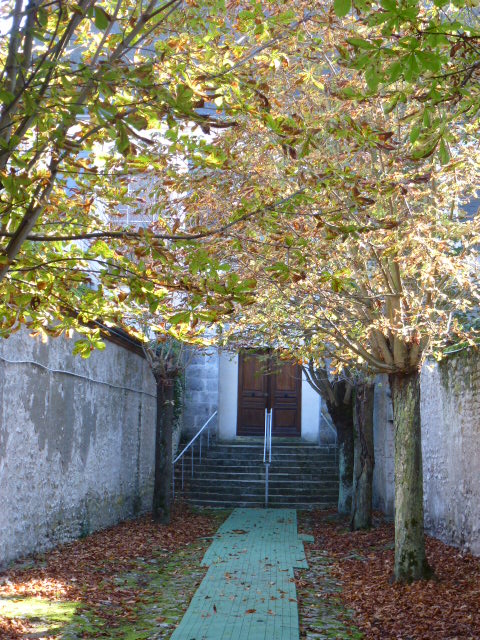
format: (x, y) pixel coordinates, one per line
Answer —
(343, 421)
(364, 458)
(163, 451)
(410, 559)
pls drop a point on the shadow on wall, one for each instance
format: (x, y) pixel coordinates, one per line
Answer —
(450, 406)
(76, 441)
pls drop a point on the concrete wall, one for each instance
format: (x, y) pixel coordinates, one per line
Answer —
(451, 450)
(227, 395)
(75, 455)
(311, 412)
(450, 411)
(201, 389)
(228, 399)
(383, 472)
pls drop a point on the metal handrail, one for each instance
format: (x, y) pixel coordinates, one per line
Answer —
(190, 445)
(267, 441)
(330, 424)
(267, 448)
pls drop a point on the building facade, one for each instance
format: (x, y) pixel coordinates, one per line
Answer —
(242, 386)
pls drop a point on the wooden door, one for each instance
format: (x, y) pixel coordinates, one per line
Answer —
(252, 394)
(264, 383)
(285, 398)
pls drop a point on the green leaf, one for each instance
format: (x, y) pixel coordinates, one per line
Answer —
(424, 150)
(342, 7)
(443, 152)
(181, 317)
(372, 78)
(411, 68)
(414, 133)
(389, 5)
(360, 43)
(101, 248)
(395, 71)
(390, 106)
(429, 61)
(123, 141)
(102, 19)
(6, 96)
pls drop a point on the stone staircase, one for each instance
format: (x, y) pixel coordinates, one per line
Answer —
(301, 476)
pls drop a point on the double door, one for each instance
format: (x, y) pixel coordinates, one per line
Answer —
(265, 382)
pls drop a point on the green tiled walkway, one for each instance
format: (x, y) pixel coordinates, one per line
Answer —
(249, 591)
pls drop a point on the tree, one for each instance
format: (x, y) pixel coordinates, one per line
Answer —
(166, 357)
(413, 52)
(364, 457)
(99, 101)
(103, 101)
(349, 400)
(371, 244)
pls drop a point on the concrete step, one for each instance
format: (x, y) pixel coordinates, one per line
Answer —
(249, 464)
(256, 455)
(301, 475)
(218, 476)
(202, 484)
(292, 498)
(228, 504)
(246, 452)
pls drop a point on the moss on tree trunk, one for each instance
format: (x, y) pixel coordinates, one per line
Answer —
(410, 559)
(163, 451)
(364, 458)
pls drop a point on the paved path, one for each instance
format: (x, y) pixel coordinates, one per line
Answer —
(249, 591)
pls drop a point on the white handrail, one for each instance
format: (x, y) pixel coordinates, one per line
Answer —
(265, 438)
(195, 437)
(267, 449)
(267, 441)
(190, 445)
(270, 436)
(330, 424)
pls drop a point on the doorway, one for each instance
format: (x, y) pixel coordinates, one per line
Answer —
(265, 382)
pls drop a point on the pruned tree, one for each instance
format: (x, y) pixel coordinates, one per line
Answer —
(371, 246)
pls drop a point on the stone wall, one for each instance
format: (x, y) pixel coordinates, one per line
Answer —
(201, 389)
(450, 411)
(76, 449)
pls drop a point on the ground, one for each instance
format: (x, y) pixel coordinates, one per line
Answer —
(360, 565)
(135, 581)
(132, 581)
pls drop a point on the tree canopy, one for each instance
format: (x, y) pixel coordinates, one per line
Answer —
(302, 170)
(100, 102)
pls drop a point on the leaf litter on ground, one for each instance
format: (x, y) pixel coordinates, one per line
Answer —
(108, 581)
(361, 563)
